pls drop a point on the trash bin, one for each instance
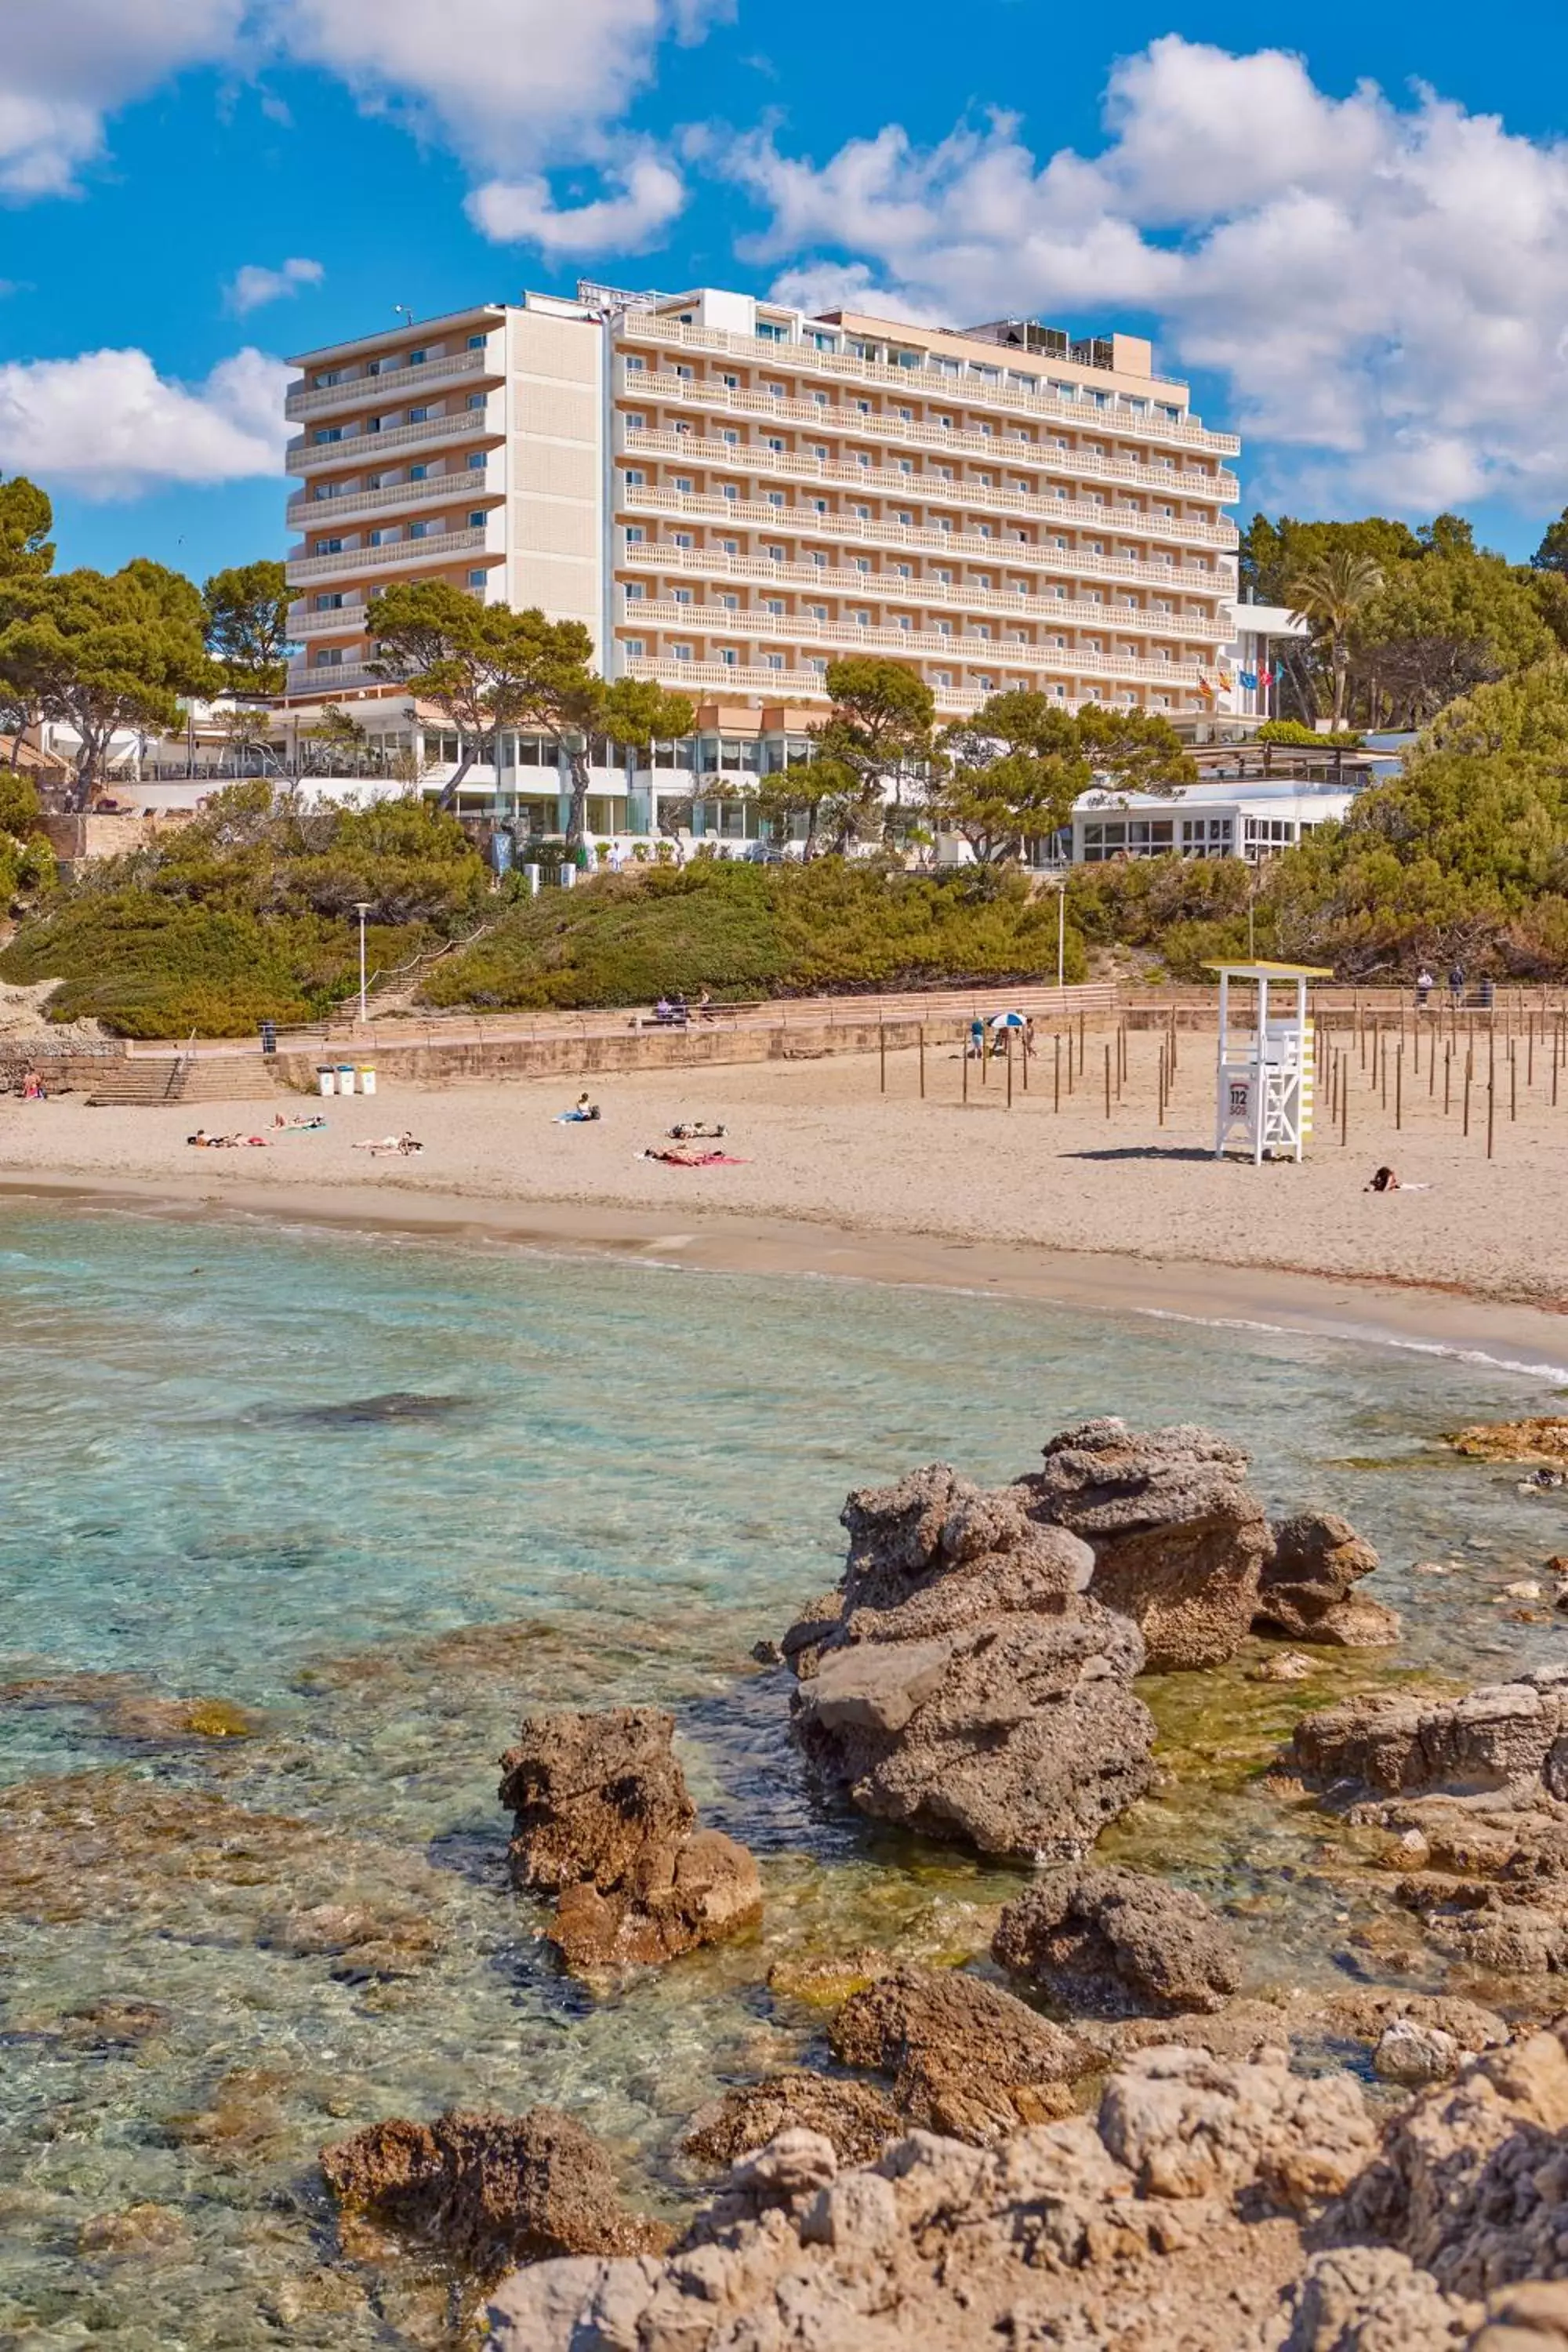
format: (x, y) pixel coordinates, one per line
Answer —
(345, 1077)
(530, 872)
(270, 1037)
(367, 1078)
(327, 1081)
(568, 876)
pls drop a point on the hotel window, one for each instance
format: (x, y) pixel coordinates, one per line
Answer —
(685, 373)
(418, 473)
(327, 658)
(818, 450)
(682, 653)
(333, 375)
(731, 439)
(819, 557)
(680, 595)
(683, 483)
(731, 604)
(381, 538)
(636, 479)
(478, 461)
(680, 539)
(633, 534)
(770, 332)
(477, 518)
(636, 421)
(478, 399)
(634, 365)
(775, 605)
(632, 591)
(731, 382)
(942, 677)
(335, 546)
(729, 546)
(775, 497)
(418, 530)
(476, 342)
(862, 620)
(906, 518)
(477, 578)
(731, 490)
(819, 399)
(774, 555)
(327, 433)
(817, 612)
(728, 656)
(861, 514)
(328, 603)
(862, 563)
(633, 648)
(817, 505)
(776, 661)
(418, 415)
(776, 446)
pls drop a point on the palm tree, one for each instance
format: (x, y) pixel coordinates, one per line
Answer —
(1329, 592)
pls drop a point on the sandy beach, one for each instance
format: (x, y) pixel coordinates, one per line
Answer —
(837, 1176)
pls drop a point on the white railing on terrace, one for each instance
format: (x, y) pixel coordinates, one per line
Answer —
(645, 325)
(712, 621)
(888, 588)
(663, 385)
(930, 490)
(334, 679)
(344, 620)
(356, 392)
(786, 685)
(800, 522)
(399, 554)
(354, 449)
(348, 506)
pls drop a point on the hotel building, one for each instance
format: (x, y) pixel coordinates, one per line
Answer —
(731, 494)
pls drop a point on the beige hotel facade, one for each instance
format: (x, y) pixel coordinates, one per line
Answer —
(731, 494)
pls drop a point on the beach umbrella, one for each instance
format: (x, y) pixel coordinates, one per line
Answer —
(1009, 1021)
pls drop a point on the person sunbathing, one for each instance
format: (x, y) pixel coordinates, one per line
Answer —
(693, 1158)
(1385, 1180)
(583, 1108)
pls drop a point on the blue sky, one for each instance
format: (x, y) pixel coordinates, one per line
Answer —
(1357, 250)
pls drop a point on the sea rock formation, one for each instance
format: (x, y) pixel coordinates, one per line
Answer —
(1306, 1590)
(600, 1818)
(1542, 1442)
(490, 2190)
(855, 2118)
(1179, 1539)
(1117, 1943)
(966, 1686)
(1176, 2223)
(966, 2058)
(1508, 1739)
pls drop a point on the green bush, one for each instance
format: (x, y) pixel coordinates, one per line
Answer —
(743, 931)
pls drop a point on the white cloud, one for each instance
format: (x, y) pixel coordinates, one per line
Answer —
(522, 212)
(65, 64)
(254, 285)
(109, 425)
(510, 84)
(1381, 288)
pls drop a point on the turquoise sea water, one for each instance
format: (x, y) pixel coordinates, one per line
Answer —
(596, 1483)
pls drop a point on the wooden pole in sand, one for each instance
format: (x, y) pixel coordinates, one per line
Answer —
(1108, 1082)
(882, 1053)
(1513, 1082)
(964, 1062)
(1383, 1066)
(1466, 1128)
(1491, 1110)
(1009, 1069)
(1023, 1051)
(1081, 1044)
(1529, 1054)
(1556, 1057)
(1399, 1087)
(1432, 1066)
(1344, 1109)
(922, 1044)
(1160, 1086)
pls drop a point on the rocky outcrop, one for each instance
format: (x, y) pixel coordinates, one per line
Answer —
(489, 2190)
(1370, 2299)
(1174, 2224)
(966, 2058)
(1506, 1740)
(602, 1819)
(1178, 1538)
(967, 1688)
(1541, 1442)
(855, 2119)
(1307, 1587)
(1117, 1943)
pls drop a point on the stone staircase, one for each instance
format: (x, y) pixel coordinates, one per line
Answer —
(147, 1080)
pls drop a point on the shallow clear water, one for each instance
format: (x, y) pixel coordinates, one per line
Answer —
(618, 1478)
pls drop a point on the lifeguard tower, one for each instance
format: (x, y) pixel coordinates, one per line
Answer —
(1263, 1089)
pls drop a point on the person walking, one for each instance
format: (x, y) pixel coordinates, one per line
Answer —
(1456, 983)
(1423, 989)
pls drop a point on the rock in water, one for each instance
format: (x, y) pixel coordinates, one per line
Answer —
(964, 2057)
(1178, 1538)
(489, 2190)
(1508, 1738)
(590, 1794)
(853, 2118)
(1306, 1589)
(1116, 1942)
(1543, 1442)
(602, 1819)
(967, 1688)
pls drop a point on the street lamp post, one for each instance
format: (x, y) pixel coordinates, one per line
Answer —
(361, 909)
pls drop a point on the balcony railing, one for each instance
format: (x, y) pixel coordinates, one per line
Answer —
(663, 385)
(803, 359)
(799, 686)
(466, 482)
(1025, 555)
(927, 489)
(342, 621)
(711, 621)
(886, 588)
(356, 392)
(304, 456)
(402, 555)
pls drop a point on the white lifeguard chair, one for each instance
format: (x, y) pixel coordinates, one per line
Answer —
(1264, 1083)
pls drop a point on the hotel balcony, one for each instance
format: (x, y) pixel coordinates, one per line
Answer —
(962, 650)
(803, 359)
(431, 553)
(884, 482)
(464, 486)
(886, 588)
(649, 387)
(800, 522)
(307, 457)
(356, 392)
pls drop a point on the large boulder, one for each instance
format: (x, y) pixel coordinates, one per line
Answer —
(1117, 1943)
(1542, 1442)
(1307, 1587)
(855, 2118)
(964, 2057)
(1020, 1735)
(600, 1818)
(489, 2190)
(1178, 1538)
